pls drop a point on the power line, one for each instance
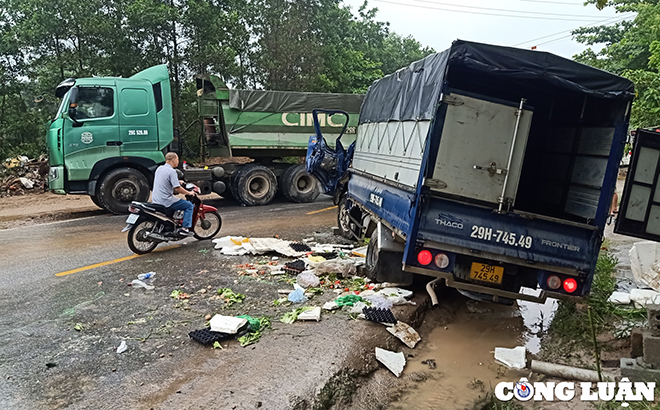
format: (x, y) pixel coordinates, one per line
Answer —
(504, 10)
(480, 13)
(607, 21)
(565, 37)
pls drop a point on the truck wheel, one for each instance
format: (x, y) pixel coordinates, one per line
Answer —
(120, 187)
(95, 199)
(254, 185)
(299, 186)
(343, 218)
(385, 266)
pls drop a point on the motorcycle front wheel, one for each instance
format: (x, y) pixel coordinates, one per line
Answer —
(137, 238)
(207, 227)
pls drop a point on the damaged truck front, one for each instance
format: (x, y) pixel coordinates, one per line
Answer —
(488, 167)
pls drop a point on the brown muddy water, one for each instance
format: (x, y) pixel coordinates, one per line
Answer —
(463, 351)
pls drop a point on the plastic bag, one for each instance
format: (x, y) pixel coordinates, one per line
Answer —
(379, 301)
(343, 267)
(348, 300)
(307, 279)
(298, 295)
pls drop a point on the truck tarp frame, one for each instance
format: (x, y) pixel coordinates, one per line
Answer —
(291, 101)
(412, 92)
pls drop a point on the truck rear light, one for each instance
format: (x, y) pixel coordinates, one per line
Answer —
(554, 282)
(424, 257)
(570, 285)
(441, 260)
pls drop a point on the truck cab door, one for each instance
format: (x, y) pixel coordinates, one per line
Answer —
(137, 117)
(90, 132)
(639, 210)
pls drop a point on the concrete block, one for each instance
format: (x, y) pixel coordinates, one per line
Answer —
(637, 373)
(651, 350)
(636, 343)
(654, 319)
(619, 298)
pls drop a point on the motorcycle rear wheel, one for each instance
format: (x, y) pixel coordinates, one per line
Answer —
(215, 221)
(137, 240)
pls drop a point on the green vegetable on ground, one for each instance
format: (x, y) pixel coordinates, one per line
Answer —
(291, 317)
(230, 297)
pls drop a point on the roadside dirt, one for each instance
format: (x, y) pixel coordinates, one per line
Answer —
(44, 207)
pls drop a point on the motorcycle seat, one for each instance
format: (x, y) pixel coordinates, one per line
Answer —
(157, 208)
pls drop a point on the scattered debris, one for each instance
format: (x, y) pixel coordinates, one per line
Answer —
(227, 324)
(331, 306)
(22, 175)
(298, 295)
(307, 279)
(395, 362)
(207, 336)
(297, 266)
(229, 297)
(122, 347)
(511, 358)
(361, 252)
(644, 264)
(644, 297)
(348, 300)
(430, 363)
(300, 247)
(179, 294)
(139, 284)
(405, 333)
(378, 315)
(291, 317)
(312, 314)
(619, 298)
(145, 276)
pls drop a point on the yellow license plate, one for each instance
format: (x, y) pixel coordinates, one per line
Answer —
(487, 273)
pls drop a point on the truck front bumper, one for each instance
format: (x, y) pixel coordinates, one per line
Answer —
(56, 180)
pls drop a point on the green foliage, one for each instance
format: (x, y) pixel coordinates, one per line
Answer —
(570, 326)
(230, 297)
(302, 45)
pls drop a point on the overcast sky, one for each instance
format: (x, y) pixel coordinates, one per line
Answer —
(520, 23)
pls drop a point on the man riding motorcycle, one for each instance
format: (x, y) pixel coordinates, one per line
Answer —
(166, 183)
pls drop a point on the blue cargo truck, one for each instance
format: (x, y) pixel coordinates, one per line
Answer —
(493, 169)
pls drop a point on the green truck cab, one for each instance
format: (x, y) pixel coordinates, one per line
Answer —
(110, 134)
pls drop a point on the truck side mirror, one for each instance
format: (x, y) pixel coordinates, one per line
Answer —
(72, 115)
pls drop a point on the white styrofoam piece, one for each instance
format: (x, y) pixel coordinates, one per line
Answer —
(314, 314)
(619, 298)
(227, 324)
(644, 297)
(395, 362)
(330, 305)
(405, 333)
(512, 358)
(367, 292)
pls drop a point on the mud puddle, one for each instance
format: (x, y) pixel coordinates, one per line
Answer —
(463, 352)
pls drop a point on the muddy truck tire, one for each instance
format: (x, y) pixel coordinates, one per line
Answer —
(120, 187)
(299, 186)
(254, 185)
(384, 266)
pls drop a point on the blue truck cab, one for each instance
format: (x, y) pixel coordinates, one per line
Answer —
(493, 169)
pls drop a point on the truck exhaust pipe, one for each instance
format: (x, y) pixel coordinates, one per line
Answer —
(431, 291)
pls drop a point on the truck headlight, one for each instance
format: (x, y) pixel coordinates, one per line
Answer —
(52, 174)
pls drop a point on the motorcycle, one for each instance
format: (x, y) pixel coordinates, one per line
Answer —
(150, 224)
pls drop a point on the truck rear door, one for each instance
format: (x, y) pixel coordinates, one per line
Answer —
(639, 211)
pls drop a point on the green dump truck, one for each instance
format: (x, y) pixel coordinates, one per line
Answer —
(110, 134)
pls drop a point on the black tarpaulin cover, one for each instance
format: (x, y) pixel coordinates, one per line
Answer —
(412, 92)
(291, 101)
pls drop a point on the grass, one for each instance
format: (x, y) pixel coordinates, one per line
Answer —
(493, 404)
(570, 327)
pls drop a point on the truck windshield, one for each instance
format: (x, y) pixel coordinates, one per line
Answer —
(61, 107)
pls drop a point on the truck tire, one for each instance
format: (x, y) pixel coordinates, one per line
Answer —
(299, 186)
(120, 187)
(95, 199)
(254, 185)
(385, 266)
(343, 218)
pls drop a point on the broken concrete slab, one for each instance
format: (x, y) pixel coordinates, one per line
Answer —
(227, 324)
(644, 257)
(512, 358)
(405, 333)
(619, 298)
(313, 314)
(395, 362)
